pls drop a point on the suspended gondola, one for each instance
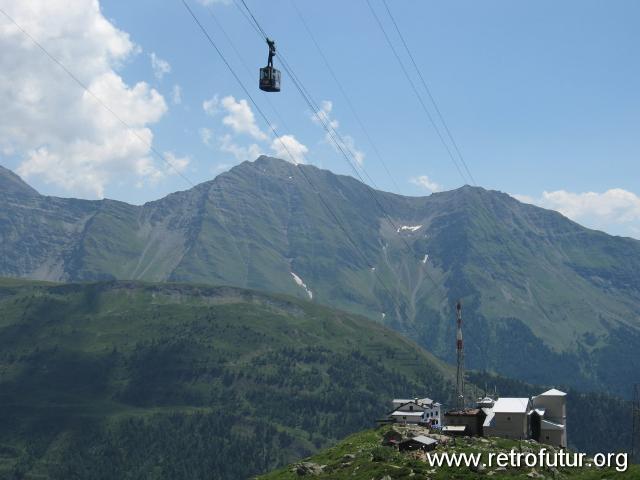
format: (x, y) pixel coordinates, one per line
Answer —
(270, 76)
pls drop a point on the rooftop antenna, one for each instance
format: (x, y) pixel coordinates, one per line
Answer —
(460, 351)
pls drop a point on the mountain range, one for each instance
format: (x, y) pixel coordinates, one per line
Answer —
(545, 299)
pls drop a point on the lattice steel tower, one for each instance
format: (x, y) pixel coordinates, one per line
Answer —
(460, 352)
(635, 432)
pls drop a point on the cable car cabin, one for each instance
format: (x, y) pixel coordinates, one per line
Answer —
(270, 79)
(269, 76)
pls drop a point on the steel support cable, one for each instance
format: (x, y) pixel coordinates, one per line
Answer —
(248, 19)
(346, 97)
(415, 91)
(428, 90)
(339, 143)
(314, 107)
(244, 64)
(85, 87)
(311, 104)
(332, 214)
(331, 132)
(260, 29)
(344, 149)
(262, 34)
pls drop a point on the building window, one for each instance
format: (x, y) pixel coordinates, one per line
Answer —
(411, 408)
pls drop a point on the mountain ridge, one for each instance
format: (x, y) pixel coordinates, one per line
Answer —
(559, 298)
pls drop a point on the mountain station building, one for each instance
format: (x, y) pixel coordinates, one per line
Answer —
(418, 411)
(542, 418)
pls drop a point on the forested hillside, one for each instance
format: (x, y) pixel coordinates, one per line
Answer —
(129, 380)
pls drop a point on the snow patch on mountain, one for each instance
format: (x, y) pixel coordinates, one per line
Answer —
(411, 228)
(300, 283)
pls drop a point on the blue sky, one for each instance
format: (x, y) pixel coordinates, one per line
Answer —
(542, 97)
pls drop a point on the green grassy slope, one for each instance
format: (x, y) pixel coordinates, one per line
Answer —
(362, 457)
(168, 381)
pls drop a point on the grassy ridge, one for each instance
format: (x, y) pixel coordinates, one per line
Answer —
(362, 457)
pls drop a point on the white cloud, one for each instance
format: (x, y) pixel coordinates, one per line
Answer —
(240, 117)
(425, 182)
(524, 198)
(173, 164)
(289, 148)
(176, 163)
(206, 135)
(62, 134)
(160, 67)
(212, 106)
(241, 153)
(324, 115)
(615, 210)
(176, 95)
(341, 141)
(240, 120)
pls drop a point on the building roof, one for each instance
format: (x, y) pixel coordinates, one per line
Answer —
(539, 411)
(418, 401)
(396, 408)
(423, 439)
(407, 414)
(468, 412)
(547, 425)
(454, 428)
(553, 393)
(511, 405)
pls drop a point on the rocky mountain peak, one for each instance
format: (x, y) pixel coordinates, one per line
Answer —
(12, 184)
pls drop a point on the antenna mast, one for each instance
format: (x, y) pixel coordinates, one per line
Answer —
(460, 352)
(635, 426)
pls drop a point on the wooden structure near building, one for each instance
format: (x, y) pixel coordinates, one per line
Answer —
(471, 418)
(420, 442)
